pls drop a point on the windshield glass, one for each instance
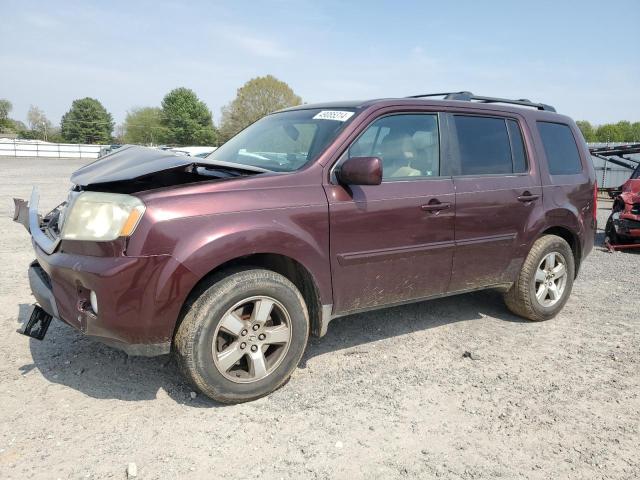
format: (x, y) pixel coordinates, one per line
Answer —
(283, 142)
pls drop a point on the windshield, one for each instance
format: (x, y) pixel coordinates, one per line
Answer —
(283, 142)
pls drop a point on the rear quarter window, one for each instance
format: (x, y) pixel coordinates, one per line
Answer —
(560, 148)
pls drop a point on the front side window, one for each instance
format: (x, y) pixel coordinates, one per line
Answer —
(560, 148)
(407, 144)
(284, 141)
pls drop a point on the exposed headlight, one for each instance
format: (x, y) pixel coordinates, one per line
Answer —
(101, 217)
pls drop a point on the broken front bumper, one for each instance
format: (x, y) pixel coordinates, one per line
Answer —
(137, 296)
(624, 226)
(27, 215)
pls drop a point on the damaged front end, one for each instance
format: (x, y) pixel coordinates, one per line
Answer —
(45, 231)
(623, 226)
(80, 246)
(45, 234)
(132, 169)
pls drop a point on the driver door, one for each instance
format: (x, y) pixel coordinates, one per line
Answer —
(393, 242)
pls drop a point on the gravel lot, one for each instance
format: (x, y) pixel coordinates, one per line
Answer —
(384, 395)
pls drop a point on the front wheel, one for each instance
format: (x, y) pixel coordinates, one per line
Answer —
(243, 337)
(545, 280)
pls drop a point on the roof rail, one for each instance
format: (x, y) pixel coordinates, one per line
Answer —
(468, 96)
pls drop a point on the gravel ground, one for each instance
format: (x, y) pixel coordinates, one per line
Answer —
(384, 395)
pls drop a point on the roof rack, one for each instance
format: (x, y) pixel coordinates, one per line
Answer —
(468, 96)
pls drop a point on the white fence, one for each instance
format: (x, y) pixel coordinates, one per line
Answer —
(22, 148)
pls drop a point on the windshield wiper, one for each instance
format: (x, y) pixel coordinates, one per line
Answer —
(236, 166)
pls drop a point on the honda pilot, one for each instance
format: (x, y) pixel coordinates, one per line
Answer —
(312, 213)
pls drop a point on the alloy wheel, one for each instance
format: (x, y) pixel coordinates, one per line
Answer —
(551, 279)
(252, 339)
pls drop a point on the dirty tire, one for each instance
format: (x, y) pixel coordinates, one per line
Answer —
(195, 335)
(521, 298)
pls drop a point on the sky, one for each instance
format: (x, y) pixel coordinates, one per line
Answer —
(583, 57)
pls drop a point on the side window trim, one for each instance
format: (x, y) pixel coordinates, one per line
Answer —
(375, 140)
(453, 151)
(443, 143)
(524, 147)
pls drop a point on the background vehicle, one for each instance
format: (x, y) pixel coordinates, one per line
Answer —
(108, 149)
(313, 213)
(193, 151)
(623, 225)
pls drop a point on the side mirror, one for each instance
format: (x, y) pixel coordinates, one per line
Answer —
(360, 171)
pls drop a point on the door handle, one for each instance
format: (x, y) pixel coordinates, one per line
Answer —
(527, 197)
(435, 205)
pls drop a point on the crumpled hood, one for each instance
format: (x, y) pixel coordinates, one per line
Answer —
(129, 162)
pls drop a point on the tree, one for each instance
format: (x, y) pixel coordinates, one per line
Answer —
(5, 109)
(187, 119)
(118, 134)
(255, 99)
(145, 126)
(6, 124)
(87, 122)
(587, 130)
(39, 125)
(609, 133)
(624, 130)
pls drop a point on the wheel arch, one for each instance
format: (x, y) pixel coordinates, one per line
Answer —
(288, 267)
(571, 237)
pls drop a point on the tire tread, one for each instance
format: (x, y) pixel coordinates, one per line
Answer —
(518, 298)
(218, 288)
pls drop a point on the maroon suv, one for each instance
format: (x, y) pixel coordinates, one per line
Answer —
(310, 214)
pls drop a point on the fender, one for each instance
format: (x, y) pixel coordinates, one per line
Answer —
(256, 240)
(568, 219)
(300, 233)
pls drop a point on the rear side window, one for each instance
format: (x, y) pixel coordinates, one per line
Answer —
(484, 145)
(560, 148)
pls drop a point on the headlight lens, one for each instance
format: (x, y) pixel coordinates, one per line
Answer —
(101, 216)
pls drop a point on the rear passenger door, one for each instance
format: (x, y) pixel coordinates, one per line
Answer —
(498, 198)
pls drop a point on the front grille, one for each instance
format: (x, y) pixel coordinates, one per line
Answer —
(635, 209)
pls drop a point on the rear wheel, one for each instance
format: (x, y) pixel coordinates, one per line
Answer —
(243, 336)
(545, 280)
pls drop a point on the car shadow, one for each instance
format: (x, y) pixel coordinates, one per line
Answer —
(68, 358)
(355, 330)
